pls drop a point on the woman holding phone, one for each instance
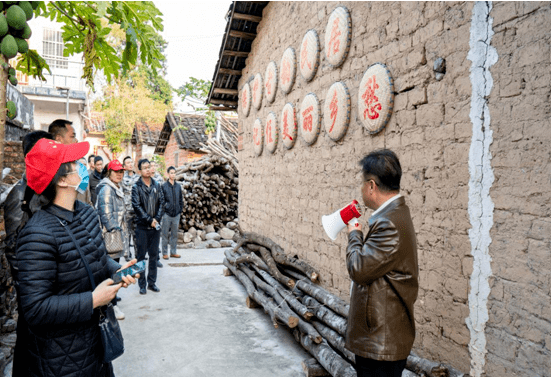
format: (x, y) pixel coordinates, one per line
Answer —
(58, 331)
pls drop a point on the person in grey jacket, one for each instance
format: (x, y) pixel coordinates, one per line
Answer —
(112, 212)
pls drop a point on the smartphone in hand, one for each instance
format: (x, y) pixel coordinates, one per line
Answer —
(138, 268)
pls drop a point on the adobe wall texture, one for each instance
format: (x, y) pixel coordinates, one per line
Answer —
(184, 155)
(283, 195)
(519, 327)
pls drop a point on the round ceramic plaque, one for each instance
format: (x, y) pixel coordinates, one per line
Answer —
(272, 132)
(270, 86)
(288, 70)
(246, 100)
(257, 91)
(288, 126)
(338, 35)
(258, 137)
(336, 111)
(310, 119)
(376, 98)
(309, 55)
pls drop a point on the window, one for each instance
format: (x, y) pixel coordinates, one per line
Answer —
(53, 49)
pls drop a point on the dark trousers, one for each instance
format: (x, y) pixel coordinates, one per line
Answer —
(376, 368)
(114, 301)
(147, 242)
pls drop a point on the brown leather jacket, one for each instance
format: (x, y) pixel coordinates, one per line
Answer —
(384, 271)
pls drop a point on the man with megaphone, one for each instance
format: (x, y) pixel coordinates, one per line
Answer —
(384, 272)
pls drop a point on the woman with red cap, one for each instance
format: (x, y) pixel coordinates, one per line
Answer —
(112, 212)
(64, 271)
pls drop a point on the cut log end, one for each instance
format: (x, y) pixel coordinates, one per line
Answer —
(291, 283)
(314, 277)
(227, 272)
(293, 322)
(312, 368)
(308, 316)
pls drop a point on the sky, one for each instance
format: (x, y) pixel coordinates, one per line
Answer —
(194, 32)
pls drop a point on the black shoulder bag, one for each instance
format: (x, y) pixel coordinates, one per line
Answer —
(111, 336)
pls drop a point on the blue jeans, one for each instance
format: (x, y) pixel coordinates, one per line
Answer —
(170, 224)
(147, 242)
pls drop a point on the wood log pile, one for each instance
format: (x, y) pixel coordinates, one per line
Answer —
(210, 187)
(226, 145)
(285, 287)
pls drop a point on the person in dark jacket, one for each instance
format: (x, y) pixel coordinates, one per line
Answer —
(174, 203)
(95, 178)
(148, 202)
(384, 271)
(58, 308)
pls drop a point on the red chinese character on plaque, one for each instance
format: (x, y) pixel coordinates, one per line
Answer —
(269, 82)
(286, 72)
(269, 131)
(256, 138)
(307, 118)
(371, 100)
(286, 126)
(244, 99)
(334, 106)
(255, 88)
(304, 55)
(334, 42)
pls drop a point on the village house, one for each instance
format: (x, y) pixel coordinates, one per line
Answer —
(459, 90)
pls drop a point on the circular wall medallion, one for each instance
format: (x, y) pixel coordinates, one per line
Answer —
(338, 35)
(270, 86)
(288, 70)
(288, 126)
(309, 55)
(257, 91)
(272, 132)
(309, 118)
(376, 98)
(258, 137)
(246, 99)
(336, 111)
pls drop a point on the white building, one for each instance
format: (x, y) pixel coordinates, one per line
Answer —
(64, 95)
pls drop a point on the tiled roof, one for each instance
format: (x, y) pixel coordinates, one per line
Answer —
(146, 134)
(188, 129)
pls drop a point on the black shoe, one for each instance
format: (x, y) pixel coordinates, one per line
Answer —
(118, 298)
(153, 288)
(159, 264)
(143, 291)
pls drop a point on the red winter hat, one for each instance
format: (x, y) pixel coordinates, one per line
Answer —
(45, 158)
(115, 165)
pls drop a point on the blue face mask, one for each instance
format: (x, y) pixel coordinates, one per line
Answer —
(84, 178)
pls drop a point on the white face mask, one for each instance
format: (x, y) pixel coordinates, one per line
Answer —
(84, 178)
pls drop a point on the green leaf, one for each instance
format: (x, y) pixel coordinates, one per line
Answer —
(32, 64)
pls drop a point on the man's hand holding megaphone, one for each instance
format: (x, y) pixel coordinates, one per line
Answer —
(354, 225)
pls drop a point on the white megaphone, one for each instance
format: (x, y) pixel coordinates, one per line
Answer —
(337, 221)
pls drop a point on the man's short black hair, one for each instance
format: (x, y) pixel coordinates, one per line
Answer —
(32, 138)
(384, 168)
(170, 168)
(91, 157)
(143, 161)
(124, 160)
(58, 127)
(97, 158)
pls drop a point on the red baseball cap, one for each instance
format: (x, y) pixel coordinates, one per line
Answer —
(45, 158)
(115, 165)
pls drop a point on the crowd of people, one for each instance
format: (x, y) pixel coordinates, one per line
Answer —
(69, 222)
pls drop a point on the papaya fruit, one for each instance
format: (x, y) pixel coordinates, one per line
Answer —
(22, 45)
(26, 32)
(16, 17)
(27, 8)
(3, 25)
(13, 80)
(8, 47)
(12, 109)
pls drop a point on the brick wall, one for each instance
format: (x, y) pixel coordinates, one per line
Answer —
(184, 155)
(14, 159)
(519, 329)
(284, 195)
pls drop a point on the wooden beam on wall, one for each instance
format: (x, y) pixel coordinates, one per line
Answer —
(246, 17)
(242, 54)
(225, 91)
(215, 101)
(222, 108)
(242, 34)
(228, 71)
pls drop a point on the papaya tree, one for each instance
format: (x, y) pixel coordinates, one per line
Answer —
(86, 29)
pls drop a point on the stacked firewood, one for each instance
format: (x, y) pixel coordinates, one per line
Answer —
(225, 144)
(210, 187)
(285, 287)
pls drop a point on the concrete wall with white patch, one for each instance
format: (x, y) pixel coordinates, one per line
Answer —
(475, 175)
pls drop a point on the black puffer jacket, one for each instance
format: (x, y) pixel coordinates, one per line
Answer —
(57, 324)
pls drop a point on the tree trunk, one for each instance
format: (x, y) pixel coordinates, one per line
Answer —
(312, 368)
(329, 359)
(331, 319)
(267, 256)
(3, 110)
(251, 258)
(328, 299)
(334, 339)
(430, 368)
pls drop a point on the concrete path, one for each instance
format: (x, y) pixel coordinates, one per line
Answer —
(198, 325)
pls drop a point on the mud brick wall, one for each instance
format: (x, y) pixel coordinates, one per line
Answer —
(435, 132)
(519, 327)
(184, 155)
(14, 159)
